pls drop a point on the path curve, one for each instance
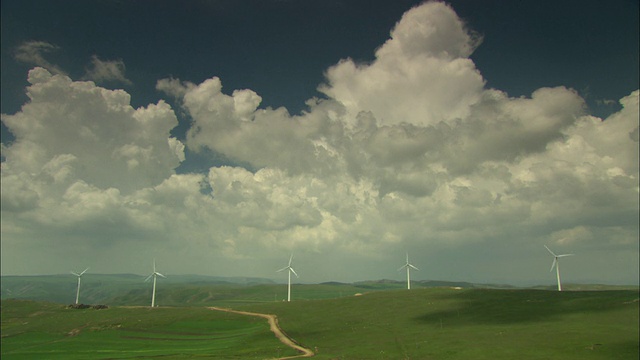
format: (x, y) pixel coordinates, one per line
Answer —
(275, 328)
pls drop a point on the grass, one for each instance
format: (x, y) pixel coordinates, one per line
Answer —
(466, 324)
(233, 295)
(34, 330)
(430, 323)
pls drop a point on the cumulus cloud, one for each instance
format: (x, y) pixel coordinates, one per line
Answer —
(32, 52)
(174, 87)
(471, 163)
(402, 117)
(76, 130)
(422, 75)
(106, 71)
(409, 151)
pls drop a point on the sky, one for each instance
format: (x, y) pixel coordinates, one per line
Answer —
(219, 137)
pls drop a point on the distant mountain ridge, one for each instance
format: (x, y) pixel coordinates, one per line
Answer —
(101, 288)
(199, 290)
(190, 288)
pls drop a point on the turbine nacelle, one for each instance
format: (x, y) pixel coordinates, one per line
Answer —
(556, 257)
(80, 274)
(288, 267)
(154, 273)
(408, 265)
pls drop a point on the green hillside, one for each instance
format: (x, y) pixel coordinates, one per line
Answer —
(466, 324)
(233, 295)
(429, 323)
(37, 330)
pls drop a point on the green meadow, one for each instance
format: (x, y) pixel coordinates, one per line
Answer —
(442, 323)
(37, 330)
(423, 323)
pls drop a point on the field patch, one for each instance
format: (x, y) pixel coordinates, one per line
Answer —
(429, 323)
(444, 323)
(43, 330)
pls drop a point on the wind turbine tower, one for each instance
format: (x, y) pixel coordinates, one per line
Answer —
(79, 277)
(155, 274)
(290, 270)
(408, 266)
(556, 264)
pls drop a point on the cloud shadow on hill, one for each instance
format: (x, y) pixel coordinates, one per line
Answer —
(524, 306)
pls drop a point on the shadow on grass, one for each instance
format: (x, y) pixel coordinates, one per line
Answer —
(520, 306)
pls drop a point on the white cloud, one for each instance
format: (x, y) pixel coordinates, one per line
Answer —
(174, 87)
(473, 172)
(75, 130)
(421, 75)
(106, 71)
(408, 152)
(32, 52)
(100, 71)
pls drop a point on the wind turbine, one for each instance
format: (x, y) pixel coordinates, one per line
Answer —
(79, 277)
(290, 270)
(408, 267)
(155, 274)
(556, 263)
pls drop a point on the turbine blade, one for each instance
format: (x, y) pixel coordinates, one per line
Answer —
(84, 271)
(553, 264)
(290, 259)
(563, 255)
(413, 267)
(402, 267)
(283, 269)
(148, 277)
(293, 271)
(552, 253)
(76, 274)
(161, 275)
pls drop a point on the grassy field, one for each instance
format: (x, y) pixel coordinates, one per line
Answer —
(36, 330)
(466, 324)
(431, 323)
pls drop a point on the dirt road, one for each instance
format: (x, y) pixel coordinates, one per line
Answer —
(275, 328)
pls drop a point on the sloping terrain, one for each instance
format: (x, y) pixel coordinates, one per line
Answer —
(37, 330)
(445, 323)
(429, 323)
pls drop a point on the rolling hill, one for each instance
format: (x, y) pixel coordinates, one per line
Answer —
(437, 323)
